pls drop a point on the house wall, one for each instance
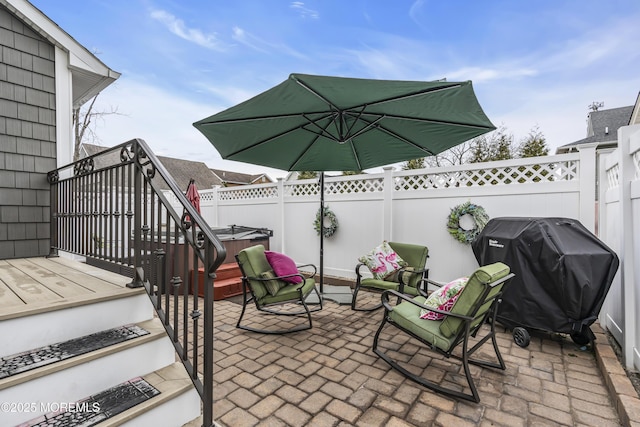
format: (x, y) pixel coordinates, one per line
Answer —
(27, 138)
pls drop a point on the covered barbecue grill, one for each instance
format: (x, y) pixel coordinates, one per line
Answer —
(563, 273)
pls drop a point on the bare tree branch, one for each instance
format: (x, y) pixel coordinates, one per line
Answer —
(84, 122)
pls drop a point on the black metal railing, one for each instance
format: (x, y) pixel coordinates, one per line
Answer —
(122, 211)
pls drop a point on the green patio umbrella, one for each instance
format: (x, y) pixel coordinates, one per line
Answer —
(322, 123)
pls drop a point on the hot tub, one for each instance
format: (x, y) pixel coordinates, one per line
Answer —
(238, 237)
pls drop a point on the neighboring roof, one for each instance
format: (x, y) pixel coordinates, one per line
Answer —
(90, 75)
(635, 115)
(182, 171)
(238, 177)
(602, 127)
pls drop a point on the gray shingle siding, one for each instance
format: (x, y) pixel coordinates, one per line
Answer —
(27, 138)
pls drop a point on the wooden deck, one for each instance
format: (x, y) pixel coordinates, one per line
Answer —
(36, 285)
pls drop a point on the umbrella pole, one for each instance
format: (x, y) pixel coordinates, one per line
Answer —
(339, 294)
(321, 232)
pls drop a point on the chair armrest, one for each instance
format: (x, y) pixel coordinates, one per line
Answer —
(404, 269)
(281, 278)
(358, 267)
(385, 302)
(433, 282)
(315, 269)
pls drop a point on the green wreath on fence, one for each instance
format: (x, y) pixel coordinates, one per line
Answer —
(480, 219)
(333, 222)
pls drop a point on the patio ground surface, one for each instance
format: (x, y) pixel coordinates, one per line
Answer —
(328, 376)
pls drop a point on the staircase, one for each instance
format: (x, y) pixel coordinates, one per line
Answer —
(81, 348)
(228, 282)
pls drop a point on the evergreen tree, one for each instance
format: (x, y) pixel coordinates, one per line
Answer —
(413, 164)
(498, 145)
(307, 174)
(534, 145)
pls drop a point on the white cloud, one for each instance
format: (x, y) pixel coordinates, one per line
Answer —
(194, 35)
(165, 122)
(479, 74)
(254, 42)
(303, 11)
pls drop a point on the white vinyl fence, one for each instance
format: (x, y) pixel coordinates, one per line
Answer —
(407, 206)
(620, 229)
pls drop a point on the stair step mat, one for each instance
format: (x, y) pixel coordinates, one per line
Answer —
(32, 359)
(99, 407)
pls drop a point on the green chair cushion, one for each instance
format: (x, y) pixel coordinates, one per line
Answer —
(384, 285)
(407, 316)
(272, 286)
(415, 255)
(468, 298)
(289, 292)
(254, 263)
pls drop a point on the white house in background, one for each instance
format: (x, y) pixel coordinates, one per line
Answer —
(603, 125)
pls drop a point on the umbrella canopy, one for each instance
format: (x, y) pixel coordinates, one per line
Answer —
(193, 195)
(321, 123)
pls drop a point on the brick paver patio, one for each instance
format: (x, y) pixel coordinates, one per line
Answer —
(329, 376)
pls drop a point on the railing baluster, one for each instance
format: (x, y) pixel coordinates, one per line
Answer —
(119, 217)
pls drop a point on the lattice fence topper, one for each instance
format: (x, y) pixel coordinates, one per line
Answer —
(522, 174)
(207, 195)
(347, 186)
(302, 189)
(636, 164)
(366, 185)
(613, 176)
(269, 192)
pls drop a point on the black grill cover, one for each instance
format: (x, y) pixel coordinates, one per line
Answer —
(562, 272)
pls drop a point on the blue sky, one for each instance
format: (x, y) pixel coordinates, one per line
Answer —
(535, 63)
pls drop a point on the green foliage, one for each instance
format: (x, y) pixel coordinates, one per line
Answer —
(480, 219)
(534, 145)
(320, 222)
(413, 164)
(349, 173)
(307, 174)
(498, 145)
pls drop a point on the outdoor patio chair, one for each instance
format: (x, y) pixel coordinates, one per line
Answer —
(474, 305)
(271, 294)
(406, 280)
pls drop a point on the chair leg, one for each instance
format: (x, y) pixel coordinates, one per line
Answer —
(491, 335)
(307, 312)
(472, 397)
(354, 298)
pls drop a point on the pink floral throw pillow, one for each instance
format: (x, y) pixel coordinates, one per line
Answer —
(443, 299)
(382, 261)
(282, 265)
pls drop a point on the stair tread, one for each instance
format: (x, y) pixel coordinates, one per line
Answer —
(226, 282)
(153, 330)
(170, 381)
(125, 401)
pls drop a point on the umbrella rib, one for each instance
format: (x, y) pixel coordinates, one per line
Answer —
(408, 95)
(380, 101)
(263, 141)
(311, 144)
(442, 122)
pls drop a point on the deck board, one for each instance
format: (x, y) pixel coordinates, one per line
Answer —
(31, 285)
(61, 285)
(8, 298)
(24, 286)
